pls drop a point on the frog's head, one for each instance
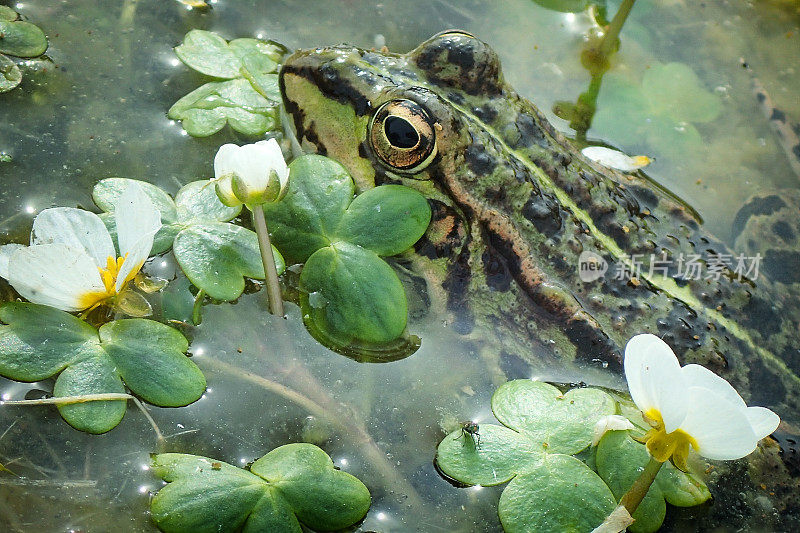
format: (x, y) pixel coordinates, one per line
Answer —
(386, 116)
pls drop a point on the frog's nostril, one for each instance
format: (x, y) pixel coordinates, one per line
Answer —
(400, 133)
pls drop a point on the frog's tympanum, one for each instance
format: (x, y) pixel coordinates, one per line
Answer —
(516, 206)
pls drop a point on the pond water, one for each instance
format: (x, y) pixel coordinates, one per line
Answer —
(99, 109)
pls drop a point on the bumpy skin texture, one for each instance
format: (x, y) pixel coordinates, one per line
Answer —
(515, 205)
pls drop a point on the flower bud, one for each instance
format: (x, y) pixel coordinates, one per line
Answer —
(252, 174)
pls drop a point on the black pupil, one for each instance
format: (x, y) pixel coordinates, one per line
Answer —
(400, 132)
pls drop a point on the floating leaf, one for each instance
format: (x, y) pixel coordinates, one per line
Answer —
(354, 294)
(560, 423)
(21, 39)
(558, 494)
(217, 257)
(10, 75)
(39, 342)
(210, 54)
(214, 255)
(620, 460)
(549, 491)
(350, 296)
(208, 108)
(8, 14)
(292, 485)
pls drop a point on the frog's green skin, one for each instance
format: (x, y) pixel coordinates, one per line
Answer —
(515, 205)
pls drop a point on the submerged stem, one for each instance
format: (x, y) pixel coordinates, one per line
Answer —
(65, 400)
(631, 499)
(197, 316)
(268, 258)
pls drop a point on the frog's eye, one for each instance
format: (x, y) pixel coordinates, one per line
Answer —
(403, 136)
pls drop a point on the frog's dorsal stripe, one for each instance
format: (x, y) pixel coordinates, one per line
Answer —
(663, 283)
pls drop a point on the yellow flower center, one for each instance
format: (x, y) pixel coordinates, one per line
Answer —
(108, 275)
(663, 446)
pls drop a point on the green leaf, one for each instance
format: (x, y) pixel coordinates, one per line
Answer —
(567, 6)
(560, 423)
(91, 375)
(6, 13)
(291, 484)
(619, 462)
(216, 257)
(492, 458)
(10, 74)
(21, 39)
(151, 359)
(197, 201)
(210, 54)
(354, 294)
(107, 192)
(307, 218)
(387, 220)
(559, 494)
(322, 497)
(208, 108)
(674, 90)
(38, 342)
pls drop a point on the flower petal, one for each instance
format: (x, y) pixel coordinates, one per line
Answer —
(700, 376)
(722, 430)
(76, 228)
(609, 423)
(655, 380)
(273, 158)
(615, 159)
(763, 421)
(137, 218)
(223, 161)
(6, 251)
(56, 275)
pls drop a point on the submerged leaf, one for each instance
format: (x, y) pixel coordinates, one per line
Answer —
(210, 54)
(292, 484)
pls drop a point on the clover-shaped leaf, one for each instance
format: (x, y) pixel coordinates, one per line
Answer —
(620, 460)
(216, 256)
(292, 485)
(208, 108)
(549, 490)
(248, 100)
(39, 342)
(210, 54)
(349, 294)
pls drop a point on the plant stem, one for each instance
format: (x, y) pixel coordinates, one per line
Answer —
(612, 32)
(64, 400)
(268, 258)
(631, 499)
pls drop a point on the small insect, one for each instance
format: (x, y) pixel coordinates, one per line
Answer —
(470, 429)
(216, 466)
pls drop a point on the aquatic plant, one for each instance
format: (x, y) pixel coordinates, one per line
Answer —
(214, 254)
(39, 342)
(253, 175)
(20, 39)
(72, 263)
(249, 97)
(557, 481)
(292, 485)
(349, 295)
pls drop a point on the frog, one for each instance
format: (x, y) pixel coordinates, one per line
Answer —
(519, 215)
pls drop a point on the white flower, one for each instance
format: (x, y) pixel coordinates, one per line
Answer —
(690, 406)
(251, 174)
(615, 159)
(71, 263)
(609, 423)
